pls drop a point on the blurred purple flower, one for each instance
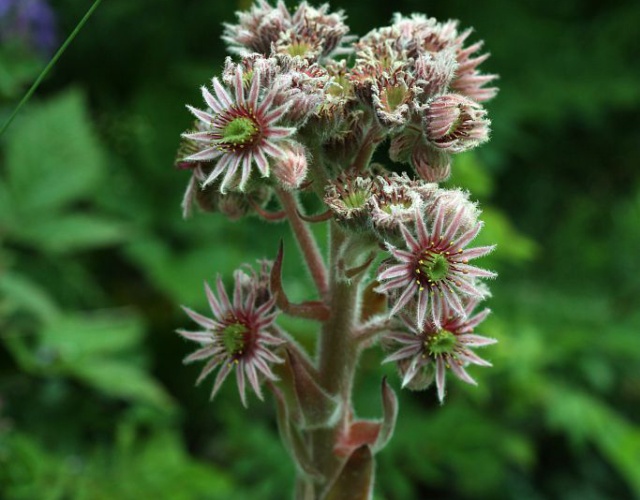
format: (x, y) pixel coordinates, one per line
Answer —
(31, 22)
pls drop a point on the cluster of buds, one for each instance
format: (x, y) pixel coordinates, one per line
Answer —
(290, 113)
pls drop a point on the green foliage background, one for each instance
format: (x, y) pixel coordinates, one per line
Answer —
(95, 261)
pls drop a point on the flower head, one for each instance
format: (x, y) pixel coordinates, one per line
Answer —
(239, 130)
(455, 123)
(238, 335)
(426, 353)
(433, 270)
(309, 32)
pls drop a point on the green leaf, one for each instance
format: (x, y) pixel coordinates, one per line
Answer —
(73, 232)
(122, 380)
(76, 338)
(20, 293)
(53, 156)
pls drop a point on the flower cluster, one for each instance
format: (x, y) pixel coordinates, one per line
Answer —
(289, 114)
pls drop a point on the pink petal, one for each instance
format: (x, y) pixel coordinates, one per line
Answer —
(203, 337)
(440, 378)
(393, 272)
(205, 118)
(246, 172)
(222, 375)
(404, 299)
(411, 242)
(220, 167)
(471, 357)
(411, 372)
(222, 94)
(253, 379)
(474, 253)
(469, 339)
(234, 163)
(280, 132)
(454, 225)
(241, 383)
(254, 91)
(468, 236)
(222, 293)
(200, 319)
(200, 354)
(205, 155)
(211, 101)
(405, 352)
(238, 86)
(208, 368)
(423, 306)
(421, 228)
(461, 373)
(262, 163)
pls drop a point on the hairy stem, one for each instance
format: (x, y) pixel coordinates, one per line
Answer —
(307, 242)
(337, 357)
(369, 145)
(51, 64)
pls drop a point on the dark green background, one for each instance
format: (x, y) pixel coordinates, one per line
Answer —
(95, 261)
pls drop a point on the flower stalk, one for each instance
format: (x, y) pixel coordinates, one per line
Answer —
(289, 114)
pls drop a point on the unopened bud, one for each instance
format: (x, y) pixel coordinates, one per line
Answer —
(455, 123)
(291, 169)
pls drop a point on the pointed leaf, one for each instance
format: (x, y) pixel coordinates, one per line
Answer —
(318, 408)
(355, 481)
(389, 416)
(291, 438)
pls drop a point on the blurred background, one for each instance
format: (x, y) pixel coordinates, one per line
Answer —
(95, 260)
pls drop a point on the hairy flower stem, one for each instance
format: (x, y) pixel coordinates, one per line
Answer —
(338, 353)
(307, 243)
(369, 146)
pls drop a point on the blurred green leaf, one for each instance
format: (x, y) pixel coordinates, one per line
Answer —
(18, 292)
(122, 380)
(73, 232)
(53, 156)
(77, 337)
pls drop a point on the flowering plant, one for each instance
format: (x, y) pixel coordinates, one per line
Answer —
(303, 108)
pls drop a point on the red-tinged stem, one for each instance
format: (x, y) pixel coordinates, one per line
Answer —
(307, 242)
(369, 145)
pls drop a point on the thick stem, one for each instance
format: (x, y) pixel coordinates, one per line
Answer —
(307, 242)
(338, 353)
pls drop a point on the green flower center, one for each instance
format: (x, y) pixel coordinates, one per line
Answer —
(434, 265)
(443, 342)
(239, 131)
(299, 49)
(233, 338)
(356, 199)
(395, 96)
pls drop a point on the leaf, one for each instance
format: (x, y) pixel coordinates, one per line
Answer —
(20, 293)
(355, 481)
(73, 232)
(389, 416)
(53, 156)
(122, 380)
(75, 338)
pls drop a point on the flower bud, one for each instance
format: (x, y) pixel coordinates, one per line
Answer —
(431, 164)
(291, 169)
(455, 202)
(455, 123)
(348, 197)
